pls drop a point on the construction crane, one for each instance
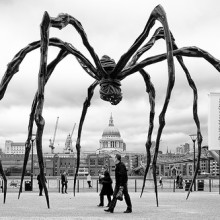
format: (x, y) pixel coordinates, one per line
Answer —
(51, 145)
(73, 130)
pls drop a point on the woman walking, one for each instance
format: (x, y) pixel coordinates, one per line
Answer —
(106, 182)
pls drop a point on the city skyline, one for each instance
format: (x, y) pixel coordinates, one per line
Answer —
(110, 32)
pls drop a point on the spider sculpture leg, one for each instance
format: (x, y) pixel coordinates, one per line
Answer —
(195, 116)
(159, 33)
(157, 14)
(62, 54)
(82, 118)
(13, 67)
(42, 77)
(151, 91)
(4, 180)
(40, 99)
(61, 21)
(193, 51)
(189, 52)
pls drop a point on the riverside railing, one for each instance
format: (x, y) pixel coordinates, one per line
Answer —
(134, 184)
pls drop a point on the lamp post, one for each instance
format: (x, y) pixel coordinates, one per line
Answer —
(194, 138)
(32, 159)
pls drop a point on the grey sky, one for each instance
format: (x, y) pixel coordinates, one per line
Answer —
(111, 27)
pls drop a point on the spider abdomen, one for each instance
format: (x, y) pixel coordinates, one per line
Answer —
(110, 91)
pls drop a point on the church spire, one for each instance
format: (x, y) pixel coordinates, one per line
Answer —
(111, 121)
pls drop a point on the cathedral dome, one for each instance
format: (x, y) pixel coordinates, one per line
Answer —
(111, 130)
(111, 141)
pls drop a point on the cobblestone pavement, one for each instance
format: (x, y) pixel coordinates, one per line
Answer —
(200, 205)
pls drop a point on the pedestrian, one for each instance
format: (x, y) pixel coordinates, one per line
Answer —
(161, 181)
(64, 181)
(177, 181)
(100, 174)
(89, 179)
(1, 185)
(121, 179)
(107, 190)
(40, 184)
(180, 182)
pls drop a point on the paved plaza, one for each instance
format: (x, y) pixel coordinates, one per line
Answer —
(172, 205)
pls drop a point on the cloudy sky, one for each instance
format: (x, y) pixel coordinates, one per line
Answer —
(111, 27)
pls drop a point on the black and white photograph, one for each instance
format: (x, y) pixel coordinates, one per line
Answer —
(115, 98)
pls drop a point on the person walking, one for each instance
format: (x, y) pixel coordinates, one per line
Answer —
(89, 179)
(177, 181)
(107, 190)
(121, 179)
(40, 185)
(180, 181)
(101, 175)
(161, 181)
(64, 181)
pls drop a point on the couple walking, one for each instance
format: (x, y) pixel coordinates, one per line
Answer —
(121, 179)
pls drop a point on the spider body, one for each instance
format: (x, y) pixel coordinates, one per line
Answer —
(108, 74)
(109, 87)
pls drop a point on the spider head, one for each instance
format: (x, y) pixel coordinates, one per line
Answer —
(107, 63)
(110, 88)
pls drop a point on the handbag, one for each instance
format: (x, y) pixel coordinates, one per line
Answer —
(119, 195)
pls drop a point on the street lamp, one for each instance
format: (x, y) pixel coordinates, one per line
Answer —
(194, 138)
(32, 159)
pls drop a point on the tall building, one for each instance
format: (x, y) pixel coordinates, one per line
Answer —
(186, 148)
(17, 147)
(183, 149)
(178, 150)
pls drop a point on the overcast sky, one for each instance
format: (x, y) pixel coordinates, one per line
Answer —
(111, 27)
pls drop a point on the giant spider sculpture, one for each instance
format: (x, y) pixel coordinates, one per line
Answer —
(108, 75)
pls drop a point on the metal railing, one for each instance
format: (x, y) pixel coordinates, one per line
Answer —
(134, 184)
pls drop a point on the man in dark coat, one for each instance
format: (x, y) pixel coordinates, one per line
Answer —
(40, 185)
(64, 181)
(121, 179)
(177, 181)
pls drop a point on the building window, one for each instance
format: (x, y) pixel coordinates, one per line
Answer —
(92, 161)
(101, 161)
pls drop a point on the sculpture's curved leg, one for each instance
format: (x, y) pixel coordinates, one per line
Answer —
(82, 118)
(159, 33)
(157, 14)
(62, 20)
(13, 66)
(40, 99)
(195, 116)
(185, 51)
(62, 54)
(5, 181)
(171, 79)
(151, 91)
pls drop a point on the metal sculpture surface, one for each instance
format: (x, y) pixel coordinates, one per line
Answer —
(108, 75)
